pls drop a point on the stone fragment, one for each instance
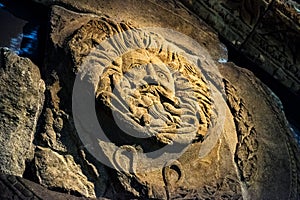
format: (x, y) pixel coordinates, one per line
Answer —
(21, 102)
(233, 167)
(60, 172)
(237, 145)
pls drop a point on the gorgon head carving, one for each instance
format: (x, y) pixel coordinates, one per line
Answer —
(152, 93)
(160, 92)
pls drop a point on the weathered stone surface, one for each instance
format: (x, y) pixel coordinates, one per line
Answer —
(160, 98)
(21, 102)
(266, 156)
(214, 135)
(275, 44)
(150, 14)
(265, 31)
(58, 133)
(61, 172)
(232, 19)
(249, 159)
(60, 161)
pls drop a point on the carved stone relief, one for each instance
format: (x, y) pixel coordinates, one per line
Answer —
(248, 11)
(254, 149)
(265, 31)
(246, 152)
(151, 97)
(275, 44)
(146, 113)
(233, 19)
(144, 87)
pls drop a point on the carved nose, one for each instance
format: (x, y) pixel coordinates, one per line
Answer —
(151, 80)
(151, 75)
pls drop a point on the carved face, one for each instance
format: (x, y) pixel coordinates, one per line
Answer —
(157, 95)
(144, 71)
(146, 98)
(147, 82)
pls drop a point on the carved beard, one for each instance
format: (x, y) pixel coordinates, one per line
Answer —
(145, 99)
(143, 93)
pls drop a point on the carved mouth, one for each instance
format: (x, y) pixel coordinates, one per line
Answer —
(148, 87)
(161, 92)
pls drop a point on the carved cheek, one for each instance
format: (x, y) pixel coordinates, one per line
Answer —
(135, 76)
(172, 84)
(124, 83)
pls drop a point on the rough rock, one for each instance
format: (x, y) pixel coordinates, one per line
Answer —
(21, 102)
(58, 147)
(60, 171)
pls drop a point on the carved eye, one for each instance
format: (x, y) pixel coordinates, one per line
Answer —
(182, 80)
(162, 75)
(140, 67)
(135, 66)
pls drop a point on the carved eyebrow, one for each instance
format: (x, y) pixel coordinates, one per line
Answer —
(158, 67)
(137, 60)
(138, 57)
(132, 65)
(141, 61)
